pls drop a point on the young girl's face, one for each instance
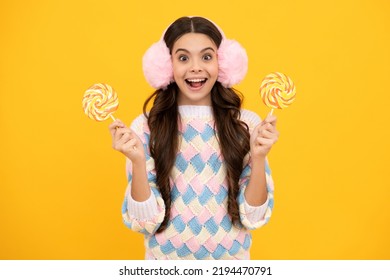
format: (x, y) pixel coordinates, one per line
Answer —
(195, 68)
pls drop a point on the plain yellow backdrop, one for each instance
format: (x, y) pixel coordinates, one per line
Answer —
(62, 185)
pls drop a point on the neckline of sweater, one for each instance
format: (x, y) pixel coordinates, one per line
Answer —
(195, 110)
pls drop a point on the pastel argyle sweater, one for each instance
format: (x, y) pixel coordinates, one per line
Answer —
(199, 225)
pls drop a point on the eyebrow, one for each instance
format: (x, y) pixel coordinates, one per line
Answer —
(187, 51)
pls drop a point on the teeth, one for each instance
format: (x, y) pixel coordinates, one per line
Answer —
(196, 80)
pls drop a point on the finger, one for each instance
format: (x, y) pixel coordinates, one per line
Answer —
(137, 141)
(264, 142)
(133, 134)
(269, 127)
(124, 141)
(126, 137)
(130, 136)
(129, 145)
(131, 141)
(114, 125)
(120, 132)
(266, 134)
(272, 119)
(118, 142)
(257, 129)
(117, 123)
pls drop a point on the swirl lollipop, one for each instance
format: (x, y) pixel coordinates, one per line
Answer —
(277, 91)
(100, 102)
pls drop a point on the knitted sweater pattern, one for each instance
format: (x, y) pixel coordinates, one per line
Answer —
(199, 226)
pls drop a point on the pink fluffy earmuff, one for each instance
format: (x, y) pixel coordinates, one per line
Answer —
(232, 63)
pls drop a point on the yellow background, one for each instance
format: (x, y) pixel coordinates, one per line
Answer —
(62, 185)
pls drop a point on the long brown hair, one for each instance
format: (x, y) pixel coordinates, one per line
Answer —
(232, 133)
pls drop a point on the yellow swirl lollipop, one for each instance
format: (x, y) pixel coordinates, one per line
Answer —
(277, 91)
(100, 102)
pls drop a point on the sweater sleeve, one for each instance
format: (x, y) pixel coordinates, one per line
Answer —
(144, 210)
(255, 213)
(146, 216)
(251, 217)
(245, 215)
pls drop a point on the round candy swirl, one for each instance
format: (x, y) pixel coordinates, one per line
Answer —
(277, 91)
(100, 101)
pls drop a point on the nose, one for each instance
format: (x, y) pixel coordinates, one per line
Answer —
(195, 66)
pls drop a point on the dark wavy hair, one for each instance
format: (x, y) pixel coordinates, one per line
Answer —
(232, 133)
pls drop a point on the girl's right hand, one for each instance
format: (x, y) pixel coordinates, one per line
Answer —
(126, 141)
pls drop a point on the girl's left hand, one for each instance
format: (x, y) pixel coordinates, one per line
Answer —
(263, 137)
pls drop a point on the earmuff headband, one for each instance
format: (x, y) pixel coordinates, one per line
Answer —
(232, 63)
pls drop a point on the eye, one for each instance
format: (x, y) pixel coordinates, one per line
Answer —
(183, 58)
(207, 57)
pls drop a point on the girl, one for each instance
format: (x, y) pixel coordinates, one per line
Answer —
(197, 169)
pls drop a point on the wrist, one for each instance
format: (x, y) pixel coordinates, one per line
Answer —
(138, 161)
(258, 160)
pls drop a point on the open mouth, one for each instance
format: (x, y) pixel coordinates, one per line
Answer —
(196, 83)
